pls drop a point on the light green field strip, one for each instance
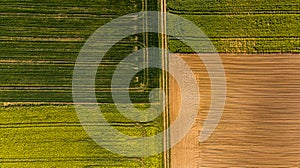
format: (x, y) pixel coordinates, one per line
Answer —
(52, 135)
(230, 26)
(246, 45)
(77, 163)
(247, 33)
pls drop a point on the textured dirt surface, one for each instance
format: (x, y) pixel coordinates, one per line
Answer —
(260, 125)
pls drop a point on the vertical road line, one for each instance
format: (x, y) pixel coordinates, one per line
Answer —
(145, 8)
(165, 80)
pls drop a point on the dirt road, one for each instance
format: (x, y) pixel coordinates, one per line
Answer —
(260, 126)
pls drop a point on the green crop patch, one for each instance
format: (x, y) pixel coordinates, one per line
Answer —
(52, 135)
(244, 33)
(40, 42)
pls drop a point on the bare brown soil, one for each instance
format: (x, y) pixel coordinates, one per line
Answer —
(260, 126)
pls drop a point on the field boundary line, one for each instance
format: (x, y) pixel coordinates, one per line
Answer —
(163, 26)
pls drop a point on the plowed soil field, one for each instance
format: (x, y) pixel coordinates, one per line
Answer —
(261, 119)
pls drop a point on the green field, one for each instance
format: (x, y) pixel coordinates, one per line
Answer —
(39, 45)
(52, 136)
(243, 26)
(40, 42)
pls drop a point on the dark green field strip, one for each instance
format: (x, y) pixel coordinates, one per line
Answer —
(40, 34)
(21, 77)
(233, 7)
(60, 96)
(38, 56)
(35, 96)
(49, 82)
(44, 34)
(53, 93)
(113, 7)
(55, 50)
(52, 22)
(52, 42)
(40, 41)
(34, 74)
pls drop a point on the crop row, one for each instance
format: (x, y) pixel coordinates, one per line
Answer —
(244, 45)
(54, 51)
(233, 7)
(97, 7)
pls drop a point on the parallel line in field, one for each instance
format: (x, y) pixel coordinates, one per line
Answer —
(120, 90)
(57, 39)
(63, 124)
(59, 87)
(34, 62)
(56, 15)
(63, 159)
(271, 12)
(35, 88)
(244, 37)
